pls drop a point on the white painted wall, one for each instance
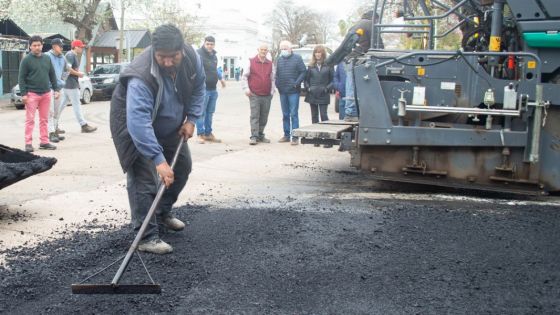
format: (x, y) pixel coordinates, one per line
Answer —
(237, 33)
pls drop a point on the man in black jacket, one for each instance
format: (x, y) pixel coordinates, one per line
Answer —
(210, 62)
(356, 43)
(156, 102)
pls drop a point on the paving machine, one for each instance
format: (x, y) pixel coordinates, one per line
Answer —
(483, 117)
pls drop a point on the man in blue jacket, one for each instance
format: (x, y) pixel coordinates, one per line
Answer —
(157, 101)
(340, 87)
(356, 43)
(290, 72)
(60, 68)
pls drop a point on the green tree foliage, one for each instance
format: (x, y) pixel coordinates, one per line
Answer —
(292, 21)
(160, 12)
(449, 42)
(342, 27)
(83, 14)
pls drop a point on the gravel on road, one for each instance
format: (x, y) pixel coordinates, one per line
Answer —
(352, 256)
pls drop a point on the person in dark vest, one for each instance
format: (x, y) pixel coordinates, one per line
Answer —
(258, 84)
(210, 62)
(157, 101)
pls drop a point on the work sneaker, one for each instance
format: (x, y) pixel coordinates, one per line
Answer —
(263, 140)
(212, 138)
(201, 139)
(53, 137)
(351, 119)
(87, 128)
(28, 148)
(284, 139)
(172, 223)
(155, 246)
(59, 131)
(47, 146)
(253, 141)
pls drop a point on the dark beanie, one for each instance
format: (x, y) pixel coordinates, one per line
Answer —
(167, 37)
(210, 39)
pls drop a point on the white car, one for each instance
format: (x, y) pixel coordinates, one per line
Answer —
(86, 90)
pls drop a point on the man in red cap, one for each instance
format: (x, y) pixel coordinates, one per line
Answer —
(71, 89)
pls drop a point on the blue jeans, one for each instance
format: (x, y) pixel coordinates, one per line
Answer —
(204, 123)
(342, 108)
(351, 108)
(290, 107)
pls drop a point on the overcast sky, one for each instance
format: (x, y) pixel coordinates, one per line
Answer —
(339, 8)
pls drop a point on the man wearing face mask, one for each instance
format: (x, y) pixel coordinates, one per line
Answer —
(290, 72)
(158, 99)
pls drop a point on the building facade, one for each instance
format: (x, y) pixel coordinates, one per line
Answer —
(13, 45)
(237, 34)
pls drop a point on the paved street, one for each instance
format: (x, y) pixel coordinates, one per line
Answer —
(88, 177)
(271, 228)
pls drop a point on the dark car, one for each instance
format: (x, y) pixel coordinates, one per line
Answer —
(105, 77)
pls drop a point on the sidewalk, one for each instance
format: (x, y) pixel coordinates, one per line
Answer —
(5, 103)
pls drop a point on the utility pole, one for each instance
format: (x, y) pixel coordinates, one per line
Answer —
(121, 33)
(436, 25)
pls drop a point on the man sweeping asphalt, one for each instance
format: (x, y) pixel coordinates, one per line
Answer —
(158, 99)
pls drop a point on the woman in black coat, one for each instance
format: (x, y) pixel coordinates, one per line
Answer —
(318, 83)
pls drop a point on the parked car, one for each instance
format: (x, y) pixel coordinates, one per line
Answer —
(86, 90)
(105, 77)
(306, 53)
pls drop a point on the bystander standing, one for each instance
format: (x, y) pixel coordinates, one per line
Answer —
(290, 72)
(60, 69)
(71, 89)
(36, 79)
(258, 84)
(210, 62)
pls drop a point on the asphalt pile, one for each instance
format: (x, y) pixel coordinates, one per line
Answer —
(16, 165)
(350, 257)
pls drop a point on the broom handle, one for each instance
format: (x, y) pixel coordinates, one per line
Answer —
(149, 216)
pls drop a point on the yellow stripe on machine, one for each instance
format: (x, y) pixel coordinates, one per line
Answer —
(495, 43)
